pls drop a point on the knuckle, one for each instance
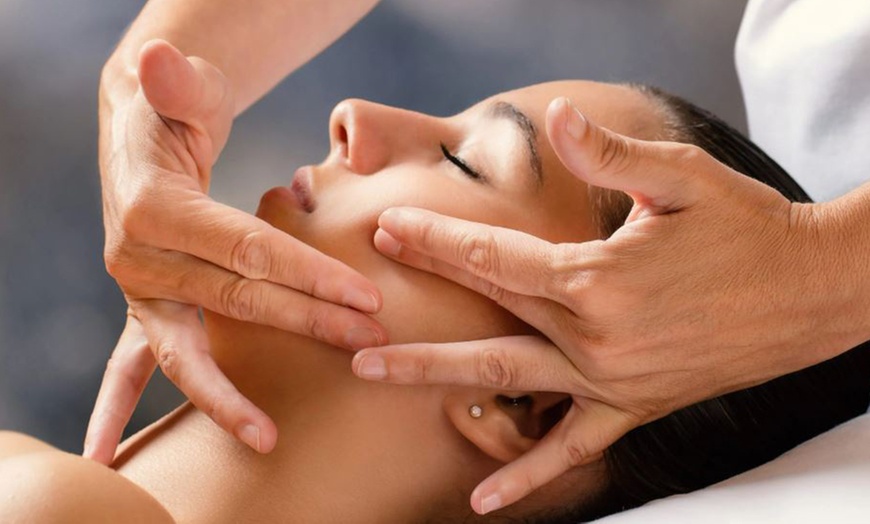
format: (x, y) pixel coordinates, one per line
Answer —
(494, 369)
(478, 254)
(250, 256)
(571, 277)
(493, 292)
(424, 365)
(117, 260)
(215, 408)
(693, 160)
(241, 300)
(428, 235)
(614, 154)
(137, 211)
(315, 323)
(575, 454)
(168, 360)
(573, 287)
(308, 283)
(691, 155)
(529, 482)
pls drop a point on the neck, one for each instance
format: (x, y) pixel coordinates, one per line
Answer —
(346, 451)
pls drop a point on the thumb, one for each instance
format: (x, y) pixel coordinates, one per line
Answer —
(659, 176)
(189, 90)
(579, 439)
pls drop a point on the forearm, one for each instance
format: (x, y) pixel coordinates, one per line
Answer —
(256, 43)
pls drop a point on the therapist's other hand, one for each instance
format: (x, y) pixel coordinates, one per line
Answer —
(711, 285)
(171, 249)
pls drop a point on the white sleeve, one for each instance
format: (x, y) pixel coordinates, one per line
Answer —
(804, 66)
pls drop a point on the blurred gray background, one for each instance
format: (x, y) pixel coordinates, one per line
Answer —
(60, 314)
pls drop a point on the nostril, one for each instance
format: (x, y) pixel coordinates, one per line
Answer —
(342, 135)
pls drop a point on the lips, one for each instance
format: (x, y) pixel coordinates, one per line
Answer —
(301, 188)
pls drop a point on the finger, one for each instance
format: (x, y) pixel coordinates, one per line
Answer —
(512, 260)
(127, 373)
(250, 247)
(191, 91)
(659, 175)
(580, 438)
(181, 88)
(180, 347)
(541, 313)
(522, 363)
(183, 278)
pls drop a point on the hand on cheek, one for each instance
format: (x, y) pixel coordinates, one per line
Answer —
(172, 250)
(693, 297)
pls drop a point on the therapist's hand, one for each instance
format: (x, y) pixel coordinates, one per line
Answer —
(172, 249)
(714, 283)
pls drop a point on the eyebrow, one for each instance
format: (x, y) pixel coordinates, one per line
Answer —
(527, 128)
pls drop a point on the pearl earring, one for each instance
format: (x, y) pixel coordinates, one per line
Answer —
(475, 411)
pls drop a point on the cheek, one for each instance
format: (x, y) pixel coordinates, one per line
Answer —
(417, 305)
(345, 221)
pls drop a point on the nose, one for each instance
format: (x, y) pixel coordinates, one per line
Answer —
(369, 136)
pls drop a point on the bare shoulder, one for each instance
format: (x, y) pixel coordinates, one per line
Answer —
(41, 484)
(12, 444)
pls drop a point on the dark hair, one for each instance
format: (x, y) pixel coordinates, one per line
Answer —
(713, 440)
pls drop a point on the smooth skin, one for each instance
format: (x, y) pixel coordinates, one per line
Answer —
(715, 283)
(41, 484)
(678, 306)
(163, 123)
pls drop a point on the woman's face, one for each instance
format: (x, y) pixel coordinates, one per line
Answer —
(491, 163)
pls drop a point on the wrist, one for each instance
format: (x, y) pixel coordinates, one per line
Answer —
(839, 243)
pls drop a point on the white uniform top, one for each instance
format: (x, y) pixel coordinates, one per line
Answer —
(804, 67)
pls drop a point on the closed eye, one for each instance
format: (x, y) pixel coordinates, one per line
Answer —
(461, 164)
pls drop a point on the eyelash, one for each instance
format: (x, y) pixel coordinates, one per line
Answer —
(458, 162)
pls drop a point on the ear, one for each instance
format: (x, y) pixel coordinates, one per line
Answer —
(510, 423)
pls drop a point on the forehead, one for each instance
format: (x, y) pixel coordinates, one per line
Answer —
(565, 212)
(616, 107)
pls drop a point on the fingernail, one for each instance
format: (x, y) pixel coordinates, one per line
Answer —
(361, 300)
(575, 125)
(394, 217)
(372, 367)
(86, 450)
(360, 338)
(387, 243)
(490, 503)
(250, 435)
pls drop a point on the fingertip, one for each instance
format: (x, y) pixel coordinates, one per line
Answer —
(88, 450)
(261, 436)
(157, 57)
(563, 116)
(166, 76)
(557, 110)
(369, 365)
(366, 301)
(394, 218)
(98, 453)
(152, 46)
(268, 436)
(387, 243)
(390, 218)
(484, 501)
